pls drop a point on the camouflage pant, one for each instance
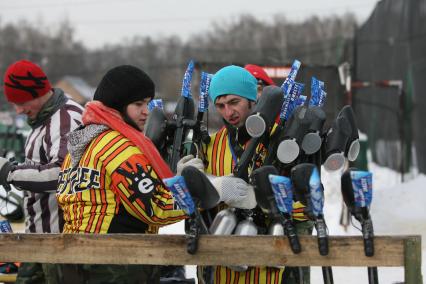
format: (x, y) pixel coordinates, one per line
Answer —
(291, 274)
(114, 274)
(38, 273)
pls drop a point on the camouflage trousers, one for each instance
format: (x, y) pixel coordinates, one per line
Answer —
(38, 273)
(114, 274)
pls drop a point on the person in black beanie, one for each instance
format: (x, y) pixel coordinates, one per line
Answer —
(122, 190)
(123, 85)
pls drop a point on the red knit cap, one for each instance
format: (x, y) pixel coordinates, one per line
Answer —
(259, 73)
(25, 81)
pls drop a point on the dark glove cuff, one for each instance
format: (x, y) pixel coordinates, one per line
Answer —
(4, 173)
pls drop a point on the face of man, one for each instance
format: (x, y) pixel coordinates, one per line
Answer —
(33, 107)
(234, 109)
(138, 112)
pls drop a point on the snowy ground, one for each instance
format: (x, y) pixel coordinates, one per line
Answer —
(397, 209)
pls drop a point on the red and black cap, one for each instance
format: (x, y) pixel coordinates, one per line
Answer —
(25, 81)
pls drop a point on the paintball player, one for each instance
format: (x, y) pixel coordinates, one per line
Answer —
(262, 78)
(51, 116)
(114, 171)
(234, 90)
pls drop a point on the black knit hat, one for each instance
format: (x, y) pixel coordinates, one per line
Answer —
(123, 85)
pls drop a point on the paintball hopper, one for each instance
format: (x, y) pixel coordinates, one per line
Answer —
(342, 140)
(201, 189)
(303, 128)
(266, 110)
(155, 128)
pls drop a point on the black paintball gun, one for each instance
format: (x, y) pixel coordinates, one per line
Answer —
(357, 194)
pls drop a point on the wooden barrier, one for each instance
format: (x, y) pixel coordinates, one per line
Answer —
(390, 251)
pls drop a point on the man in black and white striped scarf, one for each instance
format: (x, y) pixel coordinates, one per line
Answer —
(51, 115)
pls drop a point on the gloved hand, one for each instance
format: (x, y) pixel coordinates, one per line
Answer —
(5, 168)
(189, 160)
(235, 192)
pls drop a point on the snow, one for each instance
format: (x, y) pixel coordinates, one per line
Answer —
(397, 209)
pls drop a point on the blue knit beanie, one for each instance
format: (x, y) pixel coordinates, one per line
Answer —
(233, 80)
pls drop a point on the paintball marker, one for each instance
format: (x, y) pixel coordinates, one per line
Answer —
(310, 192)
(265, 111)
(191, 191)
(303, 128)
(267, 199)
(357, 194)
(341, 140)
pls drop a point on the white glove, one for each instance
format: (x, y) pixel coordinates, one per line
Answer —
(189, 161)
(235, 192)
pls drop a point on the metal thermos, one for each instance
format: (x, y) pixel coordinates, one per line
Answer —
(224, 223)
(245, 228)
(276, 229)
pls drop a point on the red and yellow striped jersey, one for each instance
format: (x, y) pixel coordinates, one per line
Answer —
(220, 163)
(113, 189)
(220, 158)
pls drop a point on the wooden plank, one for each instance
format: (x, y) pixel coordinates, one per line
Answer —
(213, 250)
(413, 260)
(6, 278)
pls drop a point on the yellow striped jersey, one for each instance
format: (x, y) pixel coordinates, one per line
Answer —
(221, 163)
(113, 189)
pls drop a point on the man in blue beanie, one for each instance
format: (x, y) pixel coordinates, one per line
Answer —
(233, 91)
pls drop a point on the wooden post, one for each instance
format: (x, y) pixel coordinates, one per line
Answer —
(413, 260)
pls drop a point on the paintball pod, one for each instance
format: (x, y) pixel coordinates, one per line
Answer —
(266, 198)
(341, 140)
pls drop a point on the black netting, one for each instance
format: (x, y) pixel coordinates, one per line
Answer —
(391, 45)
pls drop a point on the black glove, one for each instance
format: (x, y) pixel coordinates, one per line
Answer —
(5, 168)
